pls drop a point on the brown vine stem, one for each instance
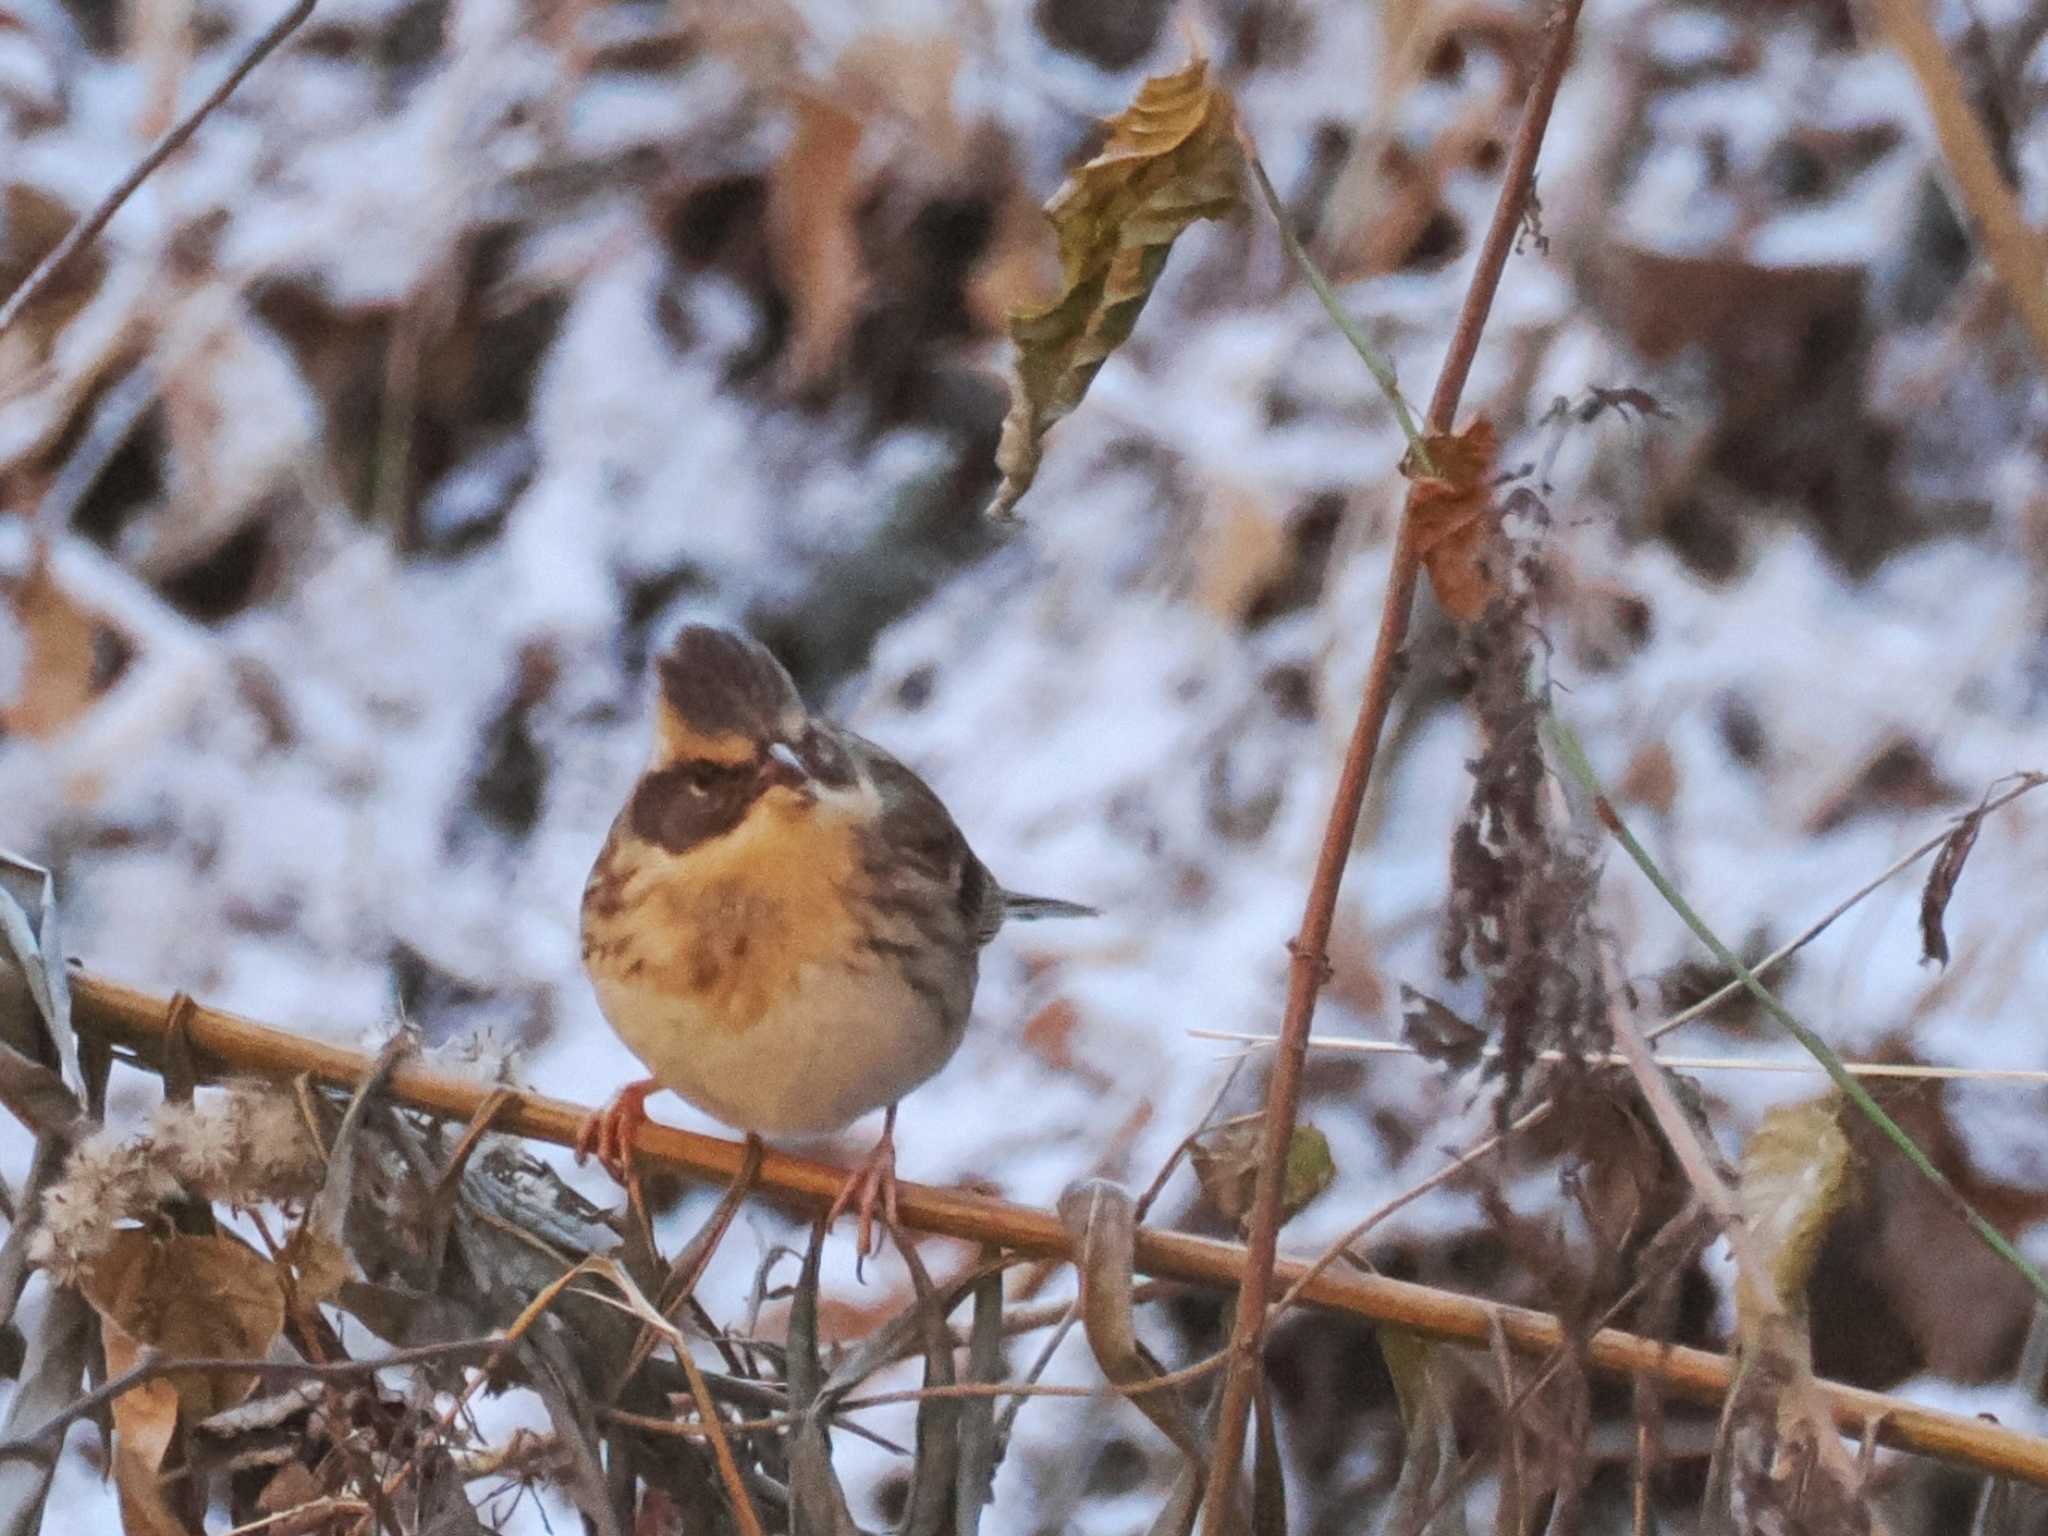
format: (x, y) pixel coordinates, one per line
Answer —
(86, 229)
(225, 1045)
(1306, 971)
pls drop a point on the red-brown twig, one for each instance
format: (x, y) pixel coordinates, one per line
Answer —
(87, 229)
(1306, 971)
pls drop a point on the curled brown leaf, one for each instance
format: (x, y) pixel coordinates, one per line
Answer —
(189, 1298)
(1439, 1034)
(1455, 519)
(1941, 886)
(1103, 1222)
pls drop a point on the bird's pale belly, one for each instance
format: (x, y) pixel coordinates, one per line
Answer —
(743, 976)
(837, 1043)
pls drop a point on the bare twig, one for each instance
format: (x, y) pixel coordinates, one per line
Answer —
(87, 229)
(227, 1045)
(43, 1441)
(1306, 971)
(707, 1409)
(2022, 1077)
(2027, 783)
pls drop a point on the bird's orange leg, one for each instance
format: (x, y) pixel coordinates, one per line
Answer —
(873, 1182)
(610, 1132)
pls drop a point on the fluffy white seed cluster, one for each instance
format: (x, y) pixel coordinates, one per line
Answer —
(245, 1146)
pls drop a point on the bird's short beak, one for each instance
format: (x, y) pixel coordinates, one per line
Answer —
(785, 768)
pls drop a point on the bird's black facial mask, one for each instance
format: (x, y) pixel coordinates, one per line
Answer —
(679, 807)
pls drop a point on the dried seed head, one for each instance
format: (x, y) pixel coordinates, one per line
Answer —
(246, 1146)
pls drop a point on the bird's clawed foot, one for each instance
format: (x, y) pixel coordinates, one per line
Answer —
(872, 1183)
(611, 1131)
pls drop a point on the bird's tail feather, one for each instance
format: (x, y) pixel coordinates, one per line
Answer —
(1027, 908)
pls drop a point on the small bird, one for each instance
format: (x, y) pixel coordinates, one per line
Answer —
(785, 924)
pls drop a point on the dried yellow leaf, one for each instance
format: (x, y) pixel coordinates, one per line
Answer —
(1795, 1180)
(1227, 1166)
(1171, 158)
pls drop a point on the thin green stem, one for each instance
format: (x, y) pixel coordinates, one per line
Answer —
(1573, 755)
(1377, 362)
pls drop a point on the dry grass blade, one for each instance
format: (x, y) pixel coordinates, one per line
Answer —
(680, 1284)
(1099, 1214)
(318, 1250)
(58, 1351)
(978, 1416)
(38, 1057)
(902, 1335)
(936, 1470)
(803, 1372)
(744, 1514)
(37, 1097)
(1171, 159)
(38, 1054)
(817, 1504)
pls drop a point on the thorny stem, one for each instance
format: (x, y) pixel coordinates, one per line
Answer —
(1573, 755)
(223, 1044)
(87, 229)
(1306, 971)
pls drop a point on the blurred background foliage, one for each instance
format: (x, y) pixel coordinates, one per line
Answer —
(349, 479)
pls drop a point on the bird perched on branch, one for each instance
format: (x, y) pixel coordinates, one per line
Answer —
(784, 924)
